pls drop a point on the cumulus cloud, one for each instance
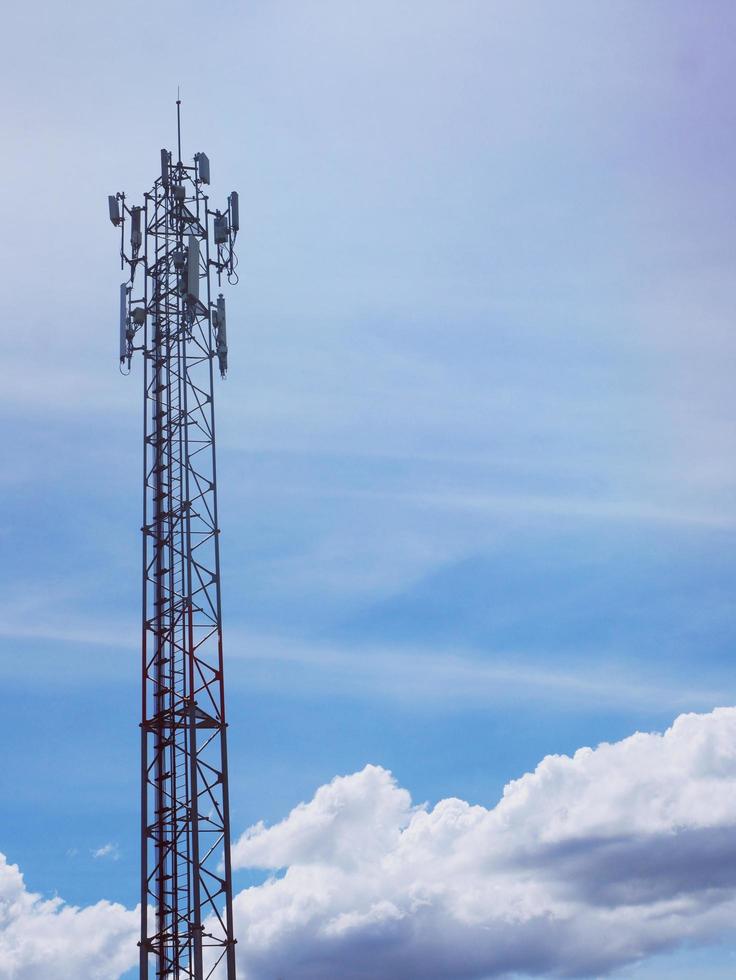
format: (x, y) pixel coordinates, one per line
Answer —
(586, 864)
(46, 939)
(109, 850)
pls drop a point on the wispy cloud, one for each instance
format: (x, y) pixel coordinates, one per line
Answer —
(636, 510)
(110, 850)
(441, 677)
(456, 678)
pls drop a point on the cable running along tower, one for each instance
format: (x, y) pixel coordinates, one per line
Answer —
(175, 245)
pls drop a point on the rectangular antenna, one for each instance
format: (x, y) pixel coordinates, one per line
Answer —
(220, 323)
(221, 229)
(203, 167)
(165, 157)
(193, 270)
(123, 324)
(235, 212)
(135, 228)
(112, 203)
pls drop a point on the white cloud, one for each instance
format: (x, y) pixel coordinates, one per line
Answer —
(587, 864)
(109, 850)
(46, 939)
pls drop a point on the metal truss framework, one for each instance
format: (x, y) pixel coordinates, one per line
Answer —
(178, 243)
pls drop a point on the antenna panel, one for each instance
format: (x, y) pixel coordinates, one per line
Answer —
(220, 321)
(222, 232)
(123, 323)
(193, 270)
(165, 157)
(203, 167)
(235, 211)
(135, 228)
(112, 203)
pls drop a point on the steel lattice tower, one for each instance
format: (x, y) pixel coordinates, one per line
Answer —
(176, 244)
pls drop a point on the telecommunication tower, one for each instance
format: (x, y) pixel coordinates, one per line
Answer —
(175, 245)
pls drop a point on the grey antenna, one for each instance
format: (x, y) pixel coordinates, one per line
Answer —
(234, 211)
(112, 203)
(124, 323)
(193, 270)
(203, 167)
(219, 321)
(165, 163)
(221, 229)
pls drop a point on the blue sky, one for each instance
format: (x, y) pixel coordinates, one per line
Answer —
(476, 449)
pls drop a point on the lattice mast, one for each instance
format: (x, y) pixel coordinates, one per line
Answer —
(176, 243)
